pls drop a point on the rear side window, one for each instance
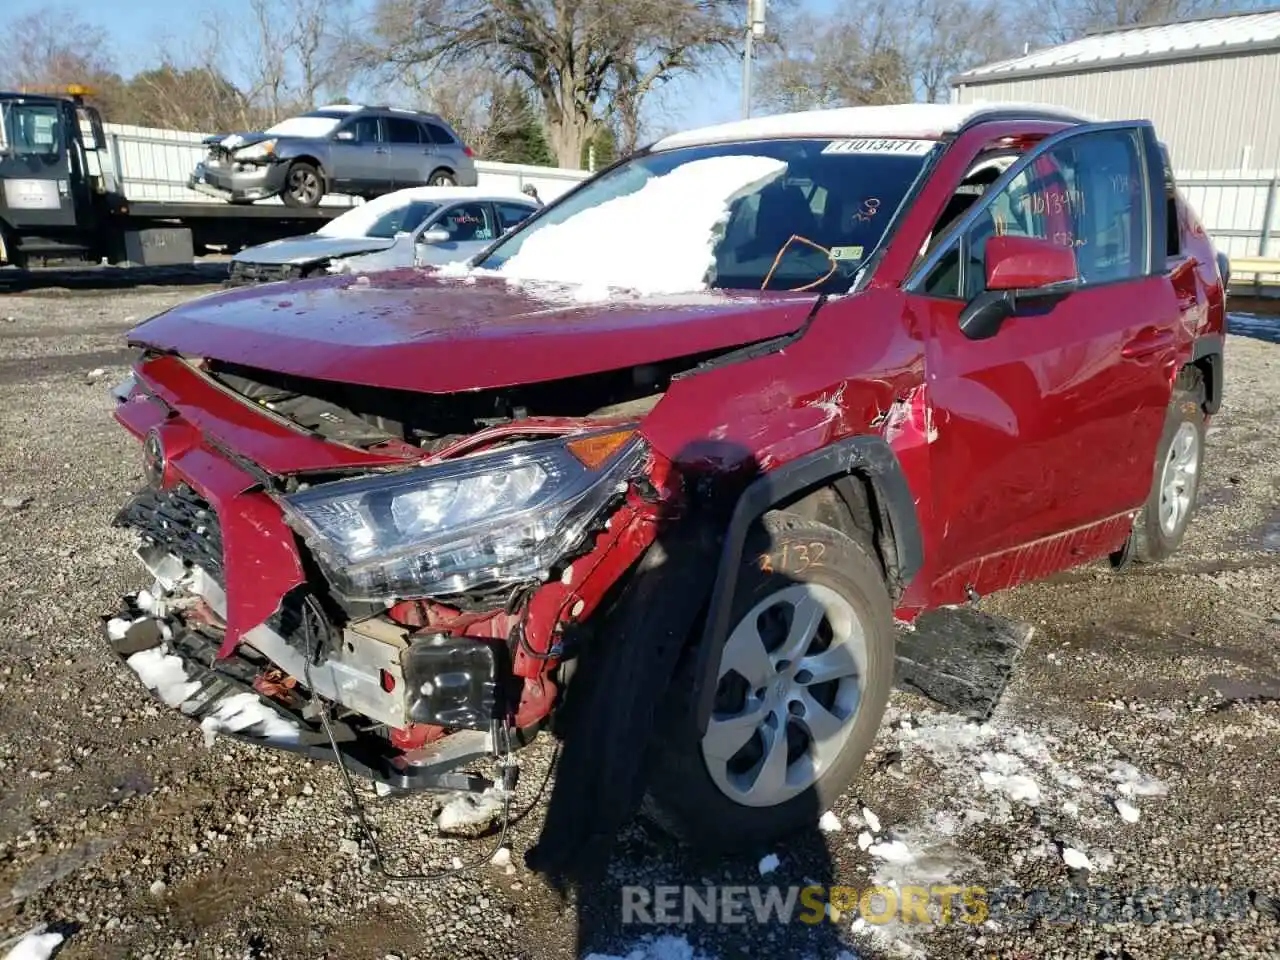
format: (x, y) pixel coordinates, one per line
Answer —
(439, 134)
(400, 130)
(512, 214)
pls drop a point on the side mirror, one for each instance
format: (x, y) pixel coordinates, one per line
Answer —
(1017, 268)
(1028, 263)
(434, 235)
(345, 135)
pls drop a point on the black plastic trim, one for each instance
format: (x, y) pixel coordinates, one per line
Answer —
(863, 454)
(1209, 347)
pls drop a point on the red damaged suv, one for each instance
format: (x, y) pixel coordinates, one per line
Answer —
(680, 448)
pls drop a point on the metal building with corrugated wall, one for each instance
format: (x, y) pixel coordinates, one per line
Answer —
(1210, 85)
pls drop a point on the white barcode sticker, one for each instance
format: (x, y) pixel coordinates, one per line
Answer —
(913, 148)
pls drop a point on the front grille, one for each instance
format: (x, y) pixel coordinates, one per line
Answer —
(242, 272)
(179, 520)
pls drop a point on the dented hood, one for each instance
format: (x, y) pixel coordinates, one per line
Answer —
(403, 330)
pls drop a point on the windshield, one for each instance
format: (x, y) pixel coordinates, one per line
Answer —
(776, 214)
(384, 217)
(30, 131)
(313, 127)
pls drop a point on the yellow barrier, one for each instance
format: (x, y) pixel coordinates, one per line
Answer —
(1250, 266)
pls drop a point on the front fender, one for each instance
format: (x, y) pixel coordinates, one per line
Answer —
(868, 455)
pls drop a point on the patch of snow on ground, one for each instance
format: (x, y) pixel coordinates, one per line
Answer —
(769, 864)
(163, 673)
(1132, 782)
(980, 773)
(35, 946)
(471, 809)
(628, 242)
(655, 948)
(1075, 859)
(871, 819)
(246, 713)
(1128, 812)
(830, 823)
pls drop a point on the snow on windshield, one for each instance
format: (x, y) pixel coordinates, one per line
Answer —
(356, 223)
(305, 127)
(660, 239)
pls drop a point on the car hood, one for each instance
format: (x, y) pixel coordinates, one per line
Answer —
(311, 248)
(405, 330)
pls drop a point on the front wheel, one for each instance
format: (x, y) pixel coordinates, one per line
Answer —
(801, 687)
(1159, 528)
(303, 186)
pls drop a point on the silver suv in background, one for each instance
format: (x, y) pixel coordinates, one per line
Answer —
(343, 148)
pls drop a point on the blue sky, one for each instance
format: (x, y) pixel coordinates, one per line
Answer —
(139, 28)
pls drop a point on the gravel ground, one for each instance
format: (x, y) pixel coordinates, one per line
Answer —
(1153, 691)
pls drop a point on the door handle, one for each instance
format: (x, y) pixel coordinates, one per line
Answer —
(1149, 340)
(380, 150)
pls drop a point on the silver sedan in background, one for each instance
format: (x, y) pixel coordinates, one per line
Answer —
(419, 226)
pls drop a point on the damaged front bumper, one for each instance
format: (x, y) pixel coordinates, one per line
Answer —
(168, 637)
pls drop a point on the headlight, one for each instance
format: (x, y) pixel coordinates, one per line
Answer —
(257, 151)
(485, 520)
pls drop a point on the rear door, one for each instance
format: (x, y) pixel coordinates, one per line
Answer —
(407, 151)
(445, 150)
(361, 165)
(1050, 425)
(511, 215)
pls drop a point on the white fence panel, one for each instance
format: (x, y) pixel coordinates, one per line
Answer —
(154, 165)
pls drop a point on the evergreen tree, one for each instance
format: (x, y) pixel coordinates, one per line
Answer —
(515, 131)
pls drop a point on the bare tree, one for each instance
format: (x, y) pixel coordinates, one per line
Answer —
(572, 53)
(884, 51)
(1074, 18)
(53, 48)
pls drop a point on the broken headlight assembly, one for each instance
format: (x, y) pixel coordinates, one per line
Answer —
(480, 521)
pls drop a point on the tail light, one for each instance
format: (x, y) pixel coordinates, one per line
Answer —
(468, 151)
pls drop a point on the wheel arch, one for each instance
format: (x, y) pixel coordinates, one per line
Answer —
(856, 486)
(315, 161)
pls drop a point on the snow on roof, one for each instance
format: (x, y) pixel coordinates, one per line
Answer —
(340, 108)
(911, 120)
(1171, 41)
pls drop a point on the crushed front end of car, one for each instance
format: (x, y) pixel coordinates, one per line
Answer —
(334, 588)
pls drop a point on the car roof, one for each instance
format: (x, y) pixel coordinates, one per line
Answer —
(450, 194)
(930, 121)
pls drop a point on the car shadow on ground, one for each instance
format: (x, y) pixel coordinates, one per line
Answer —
(89, 278)
(627, 877)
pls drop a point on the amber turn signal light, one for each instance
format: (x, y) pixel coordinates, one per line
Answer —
(594, 450)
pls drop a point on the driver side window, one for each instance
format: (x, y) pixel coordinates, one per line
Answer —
(1088, 193)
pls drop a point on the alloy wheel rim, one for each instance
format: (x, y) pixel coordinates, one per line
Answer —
(304, 185)
(789, 689)
(1178, 479)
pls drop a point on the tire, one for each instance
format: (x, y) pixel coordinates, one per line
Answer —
(821, 565)
(303, 186)
(1156, 534)
(442, 178)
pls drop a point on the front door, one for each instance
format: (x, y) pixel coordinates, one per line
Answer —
(1050, 425)
(361, 165)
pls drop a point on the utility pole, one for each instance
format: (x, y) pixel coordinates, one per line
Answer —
(755, 30)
